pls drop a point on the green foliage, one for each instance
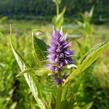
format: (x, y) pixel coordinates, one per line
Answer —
(90, 57)
(11, 95)
(22, 64)
(40, 50)
(58, 20)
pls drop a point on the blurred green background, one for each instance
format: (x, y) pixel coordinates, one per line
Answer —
(27, 16)
(33, 9)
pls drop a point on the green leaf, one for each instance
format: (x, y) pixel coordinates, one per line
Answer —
(13, 106)
(88, 60)
(27, 76)
(40, 49)
(91, 12)
(22, 64)
(58, 20)
(88, 106)
(34, 90)
(39, 72)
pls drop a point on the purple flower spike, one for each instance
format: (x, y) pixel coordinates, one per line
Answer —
(59, 54)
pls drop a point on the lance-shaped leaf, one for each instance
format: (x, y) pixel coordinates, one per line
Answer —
(90, 57)
(23, 66)
(40, 48)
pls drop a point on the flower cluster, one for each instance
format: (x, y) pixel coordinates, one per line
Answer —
(59, 53)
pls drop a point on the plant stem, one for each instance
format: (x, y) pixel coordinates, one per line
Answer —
(57, 9)
(58, 99)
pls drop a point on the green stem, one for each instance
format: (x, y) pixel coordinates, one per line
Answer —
(57, 9)
(58, 99)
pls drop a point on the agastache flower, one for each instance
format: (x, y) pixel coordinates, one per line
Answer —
(59, 54)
